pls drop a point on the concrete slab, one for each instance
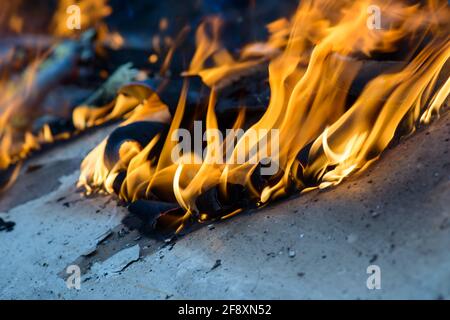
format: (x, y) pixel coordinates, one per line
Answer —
(396, 215)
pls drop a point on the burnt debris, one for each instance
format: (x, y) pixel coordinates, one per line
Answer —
(216, 202)
(154, 218)
(7, 226)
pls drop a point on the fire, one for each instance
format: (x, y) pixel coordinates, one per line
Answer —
(314, 59)
(23, 90)
(96, 174)
(14, 119)
(316, 130)
(225, 66)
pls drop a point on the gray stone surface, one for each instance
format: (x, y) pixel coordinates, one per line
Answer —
(316, 245)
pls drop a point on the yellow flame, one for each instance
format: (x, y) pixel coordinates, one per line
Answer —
(313, 63)
(95, 175)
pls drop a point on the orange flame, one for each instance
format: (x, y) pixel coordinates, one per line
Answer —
(313, 63)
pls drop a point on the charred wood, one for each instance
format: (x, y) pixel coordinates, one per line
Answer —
(153, 218)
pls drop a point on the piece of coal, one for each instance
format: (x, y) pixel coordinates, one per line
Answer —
(141, 132)
(153, 217)
(216, 204)
(7, 226)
